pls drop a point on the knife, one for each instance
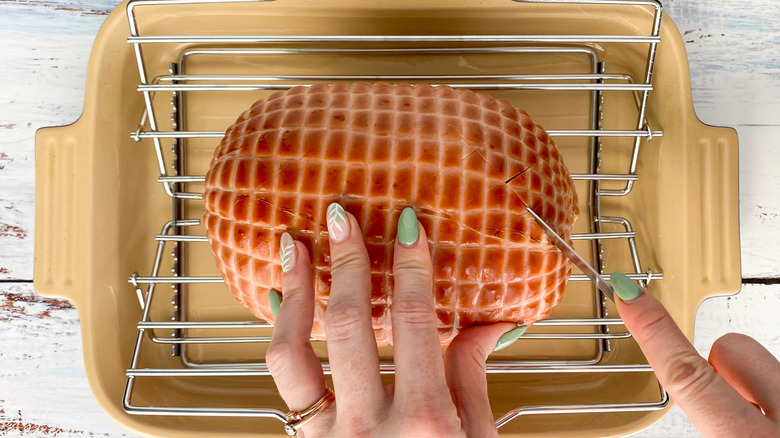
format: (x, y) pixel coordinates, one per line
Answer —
(569, 252)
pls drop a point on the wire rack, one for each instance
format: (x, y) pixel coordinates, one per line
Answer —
(176, 239)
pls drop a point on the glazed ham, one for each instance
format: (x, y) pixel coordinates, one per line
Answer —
(376, 149)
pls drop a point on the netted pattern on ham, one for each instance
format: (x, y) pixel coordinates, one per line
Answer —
(376, 149)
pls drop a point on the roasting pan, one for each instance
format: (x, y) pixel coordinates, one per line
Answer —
(169, 352)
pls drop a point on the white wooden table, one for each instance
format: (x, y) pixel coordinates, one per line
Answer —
(734, 54)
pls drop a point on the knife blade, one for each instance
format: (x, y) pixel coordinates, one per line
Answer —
(569, 252)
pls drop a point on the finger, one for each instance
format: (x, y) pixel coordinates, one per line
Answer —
(750, 369)
(464, 365)
(352, 349)
(419, 367)
(714, 407)
(290, 357)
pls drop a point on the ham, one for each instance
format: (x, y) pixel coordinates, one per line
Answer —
(376, 149)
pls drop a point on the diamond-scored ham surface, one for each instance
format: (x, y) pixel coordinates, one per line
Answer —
(376, 149)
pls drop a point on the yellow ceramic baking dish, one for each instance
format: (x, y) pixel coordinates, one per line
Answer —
(117, 193)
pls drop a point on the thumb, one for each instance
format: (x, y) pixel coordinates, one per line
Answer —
(464, 366)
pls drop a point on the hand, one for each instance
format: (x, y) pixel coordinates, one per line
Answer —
(433, 396)
(736, 394)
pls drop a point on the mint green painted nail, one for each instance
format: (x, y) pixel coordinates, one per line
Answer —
(275, 300)
(338, 224)
(625, 287)
(408, 230)
(510, 337)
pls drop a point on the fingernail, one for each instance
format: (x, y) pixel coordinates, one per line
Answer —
(625, 287)
(510, 337)
(338, 224)
(275, 300)
(408, 230)
(287, 252)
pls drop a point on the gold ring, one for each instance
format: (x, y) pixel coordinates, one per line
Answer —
(296, 419)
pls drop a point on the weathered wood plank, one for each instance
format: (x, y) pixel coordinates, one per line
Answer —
(43, 385)
(732, 50)
(45, 47)
(759, 179)
(16, 201)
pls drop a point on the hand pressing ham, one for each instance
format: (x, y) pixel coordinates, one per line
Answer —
(434, 395)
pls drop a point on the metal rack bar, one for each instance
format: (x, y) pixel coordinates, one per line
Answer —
(388, 367)
(267, 339)
(253, 325)
(272, 39)
(204, 279)
(265, 325)
(471, 86)
(378, 50)
(584, 409)
(574, 176)
(602, 177)
(331, 78)
(186, 195)
(552, 132)
(385, 51)
(210, 412)
(177, 211)
(575, 236)
(205, 324)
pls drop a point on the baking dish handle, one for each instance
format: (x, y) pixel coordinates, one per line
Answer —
(61, 212)
(717, 177)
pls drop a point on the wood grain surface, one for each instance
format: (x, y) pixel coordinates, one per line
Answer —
(733, 50)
